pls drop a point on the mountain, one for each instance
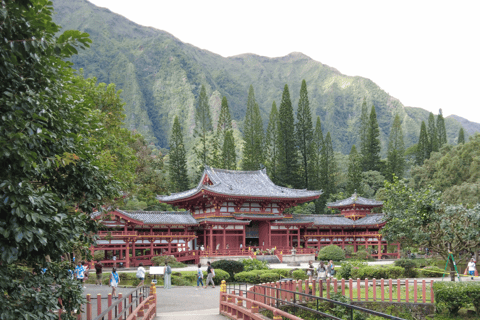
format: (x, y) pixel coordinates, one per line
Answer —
(469, 126)
(161, 77)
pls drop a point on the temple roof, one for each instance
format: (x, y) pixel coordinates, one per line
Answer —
(243, 184)
(224, 220)
(158, 217)
(354, 199)
(334, 220)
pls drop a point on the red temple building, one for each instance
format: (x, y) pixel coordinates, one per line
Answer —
(229, 213)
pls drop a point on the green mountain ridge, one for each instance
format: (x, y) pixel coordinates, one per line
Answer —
(161, 77)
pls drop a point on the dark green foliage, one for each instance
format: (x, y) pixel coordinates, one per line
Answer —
(378, 272)
(432, 134)
(461, 136)
(254, 264)
(229, 266)
(452, 296)
(299, 275)
(331, 252)
(354, 178)
(253, 135)
(271, 144)
(422, 152)
(432, 272)
(219, 276)
(396, 151)
(203, 128)
(229, 155)
(328, 170)
(177, 159)
(287, 150)
(304, 131)
(441, 130)
(318, 145)
(371, 157)
(345, 271)
(363, 133)
(409, 265)
(269, 277)
(224, 119)
(172, 262)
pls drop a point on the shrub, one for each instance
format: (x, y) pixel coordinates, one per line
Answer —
(230, 266)
(220, 275)
(432, 272)
(361, 255)
(99, 255)
(331, 252)
(268, 277)
(299, 275)
(409, 265)
(246, 276)
(377, 272)
(172, 262)
(453, 296)
(254, 264)
(345, 271)
(284, 273)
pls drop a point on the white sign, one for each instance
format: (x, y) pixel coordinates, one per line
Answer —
(156, 270)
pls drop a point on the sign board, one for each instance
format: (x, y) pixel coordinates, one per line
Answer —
(154, 281)
(156, 270)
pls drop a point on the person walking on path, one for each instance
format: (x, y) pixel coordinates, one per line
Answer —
(310, 271)
(167, 276)
(321, 272)
(141, 274)
(330, 269)
(472, 267)
(210, 275)
(199, 276)
(114, 281)
(114, 260)
(80, 273)
(98, 272)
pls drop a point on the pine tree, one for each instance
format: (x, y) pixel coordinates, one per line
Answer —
(422, 146)
(354, 172)
(215, 155)
(396, 150)
(328, 171)
(432, 135)
(253, 135)
(177, 163)
(224, 124)
(203, 128)
(371, 158)
(224, 120)
(229, 155)
(304, 136)
(287, 151)
(363, 133)
(271, 140)
(461, 136)
(318, 146)
(441, 130)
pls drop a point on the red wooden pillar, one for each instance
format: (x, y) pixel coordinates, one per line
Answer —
(224, 237)
(211, 239)
(244, 237)
(379, 248)
(288, 237)
(205, 237)
(398, 250)
(269, 235)
(298, 237)
(127, 255)
(133, 251)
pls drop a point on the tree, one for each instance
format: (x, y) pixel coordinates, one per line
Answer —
(417, 217)
(354, 171)
(328, 169)
(396, 150)
(441, 131)
(52, 178)
(224, 119)
(461, 136)
(287, 150)
(363, 132)
(318, 146)
(423, 146)
(177, 163)
(432, 135)
(271, 140)
(371, 157)
(229, 155)
(253, 135)
(203, 128)
(304, 136)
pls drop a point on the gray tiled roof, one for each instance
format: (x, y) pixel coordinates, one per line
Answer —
(271, 216)
(354, 199)
(334, 220)
(241, 183)
(227, 220)
(371, 219)
(162, 217)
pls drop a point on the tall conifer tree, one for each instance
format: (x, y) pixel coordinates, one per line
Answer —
(215, 152)
(371, 158)
(318, 145)
(253, 135)
(224, 120)
(441, 130)
(432, 135)
(363, 132)
(396, 150)
(354, 172)
(423, 145)
(461, 136)
(203, 128)
(177, 163)
(271, 148)
(304, 136)
(287, 150)
(229, 155)
(224, 124)
(328, 171)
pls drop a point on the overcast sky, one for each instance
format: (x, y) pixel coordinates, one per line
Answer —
(425, 53)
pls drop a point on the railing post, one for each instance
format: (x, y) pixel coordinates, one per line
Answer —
(249, 296)
(307, 288)
(390, 289)
(366, 289)
(299, 286)
(223, 291)
(424, 291)
(350, 288)
(99, 304)
(343, 287)
(398, 290)
(109, 305)
(328, 288)
(358, 289)
(314, 287)
(431, 291)
(335, 285)
(140, 312)
(406, 290)
(120, 306)
(382, 289)
(415, 300)
(374, 285)
(89, 307)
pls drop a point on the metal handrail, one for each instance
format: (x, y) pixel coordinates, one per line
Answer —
(114, 307)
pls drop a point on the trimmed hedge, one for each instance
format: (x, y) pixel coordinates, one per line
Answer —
(432, 272)
(230, 266)
(299, 275)
(377, 272)
(269, 277)
(247, 276)
(284, 273)
(409, 265)
(452, 296)
(331, 252)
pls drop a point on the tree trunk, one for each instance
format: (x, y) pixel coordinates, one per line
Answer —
(452, 270)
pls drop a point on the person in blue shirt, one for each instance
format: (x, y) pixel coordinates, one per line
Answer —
(114, 281)
(80, 273)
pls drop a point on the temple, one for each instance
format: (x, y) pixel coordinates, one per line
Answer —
(233, 213)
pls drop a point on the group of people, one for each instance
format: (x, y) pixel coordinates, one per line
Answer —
(210, 276)
(323, 271)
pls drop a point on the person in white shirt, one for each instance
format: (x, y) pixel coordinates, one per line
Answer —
(114, 261)
(141, 274)
(471, 267)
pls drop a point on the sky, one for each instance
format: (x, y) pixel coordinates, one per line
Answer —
(424, 53)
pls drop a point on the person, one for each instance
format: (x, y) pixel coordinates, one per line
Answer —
(98, 272)
(141, 274)
(310, 271)
(228, 246)
(199, 276)
(114, 260)
(210, 275)
(241, 246)
(330, 269)
(471, 267)
(167, 276)
(202, 248)
(321, 272)
(80, 273)
(114, 281)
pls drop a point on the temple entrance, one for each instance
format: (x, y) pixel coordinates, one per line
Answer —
(252, 234)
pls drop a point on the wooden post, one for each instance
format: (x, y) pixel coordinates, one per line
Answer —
(99, 304)
(343, 287)
(120, 306)
(382, 289)
(109, 305)
(328, 288)
(366, 289)
(335, 289)
(406, 291)
(390, 285)
(415, 300)
(431, 291)
(398, 290)
(314, 287)
(299, 286)
(374, 285)
(89, 307)
(424, 291)
(358, 289)
(350, 288)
